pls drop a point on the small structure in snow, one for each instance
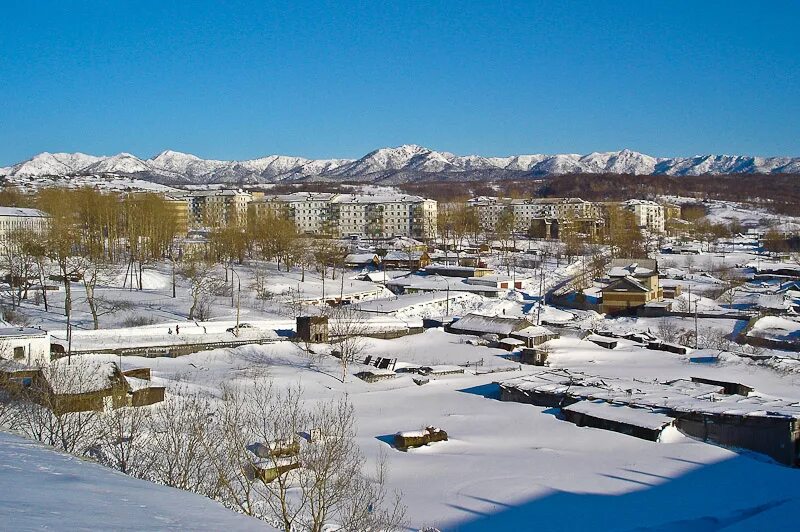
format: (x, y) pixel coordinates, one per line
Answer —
(419, 438)
(313, 329)
(479, 325)
(509, 344)
(641, 423)
(602, 341)
(376, 375)
(534, 356)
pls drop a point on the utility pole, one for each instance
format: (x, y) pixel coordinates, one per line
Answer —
(238, 298)
(541, 289)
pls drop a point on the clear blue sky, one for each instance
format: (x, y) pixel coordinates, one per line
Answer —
(236, 80)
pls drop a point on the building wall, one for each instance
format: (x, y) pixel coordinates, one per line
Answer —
(343, 215)
(30, 350)
(27, 219)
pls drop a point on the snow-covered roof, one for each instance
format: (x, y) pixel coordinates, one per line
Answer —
(361, 258)
(19, 212)
(16, 332)
(80, 375)
(635, 268)
(638, 417)
(679, 396)
(489, 324)
(615, 284)
(436, 282)
(534, 331)
(403, 255)
(408, 301)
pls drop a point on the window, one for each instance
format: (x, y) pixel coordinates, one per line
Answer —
(19, 353)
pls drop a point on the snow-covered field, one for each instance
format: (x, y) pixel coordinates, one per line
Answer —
(42, 489)
(507, 464)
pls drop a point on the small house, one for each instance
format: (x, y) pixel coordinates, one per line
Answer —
(634, 283)
(361, 260)
(86, 385)
(406, 260)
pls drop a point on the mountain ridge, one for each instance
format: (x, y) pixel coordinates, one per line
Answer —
(406, 163)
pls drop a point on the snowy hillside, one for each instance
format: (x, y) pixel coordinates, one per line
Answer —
(401, 164)
(41, 488)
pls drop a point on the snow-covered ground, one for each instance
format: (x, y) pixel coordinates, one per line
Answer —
(508, 464)
(42, 489)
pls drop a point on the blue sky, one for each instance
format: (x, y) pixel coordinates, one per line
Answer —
(235, 80)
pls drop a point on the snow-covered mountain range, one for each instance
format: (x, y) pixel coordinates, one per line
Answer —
(389, 165)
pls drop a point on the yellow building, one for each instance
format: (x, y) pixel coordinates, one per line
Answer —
(179, 207)
(634, 283)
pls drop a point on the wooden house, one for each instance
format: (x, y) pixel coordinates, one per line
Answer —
(406, 260)
(634, 283)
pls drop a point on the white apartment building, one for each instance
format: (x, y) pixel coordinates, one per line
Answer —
(218, 208)
(648, 214)
(524, 211)
(377, 216)
(14, 218)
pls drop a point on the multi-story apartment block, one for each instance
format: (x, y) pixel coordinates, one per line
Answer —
(16, 218)
(353, 214)
(527, 214)
(179, 207)
(648, 214)
(218, 208)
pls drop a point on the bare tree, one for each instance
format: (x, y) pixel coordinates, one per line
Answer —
(180, 429)
(203, 282)
(347, 329)
(122, 440)
(310, 484)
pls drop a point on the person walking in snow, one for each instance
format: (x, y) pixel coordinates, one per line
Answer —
(177, 329)
(169, 331)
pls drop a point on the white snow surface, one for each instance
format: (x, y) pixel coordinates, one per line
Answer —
(43, 489)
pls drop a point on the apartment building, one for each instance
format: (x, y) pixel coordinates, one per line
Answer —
(376, 216)
(179, 208)
(648, 214)
(15, 218)
(548, 213)
(218, 208)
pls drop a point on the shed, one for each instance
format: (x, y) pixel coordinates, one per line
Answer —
(510, 343)
(418, 438)
(533, 356)
(313, 329)
(602, 341)
(642, 423)
(356, 260)
(142, 393)
(534, 335)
